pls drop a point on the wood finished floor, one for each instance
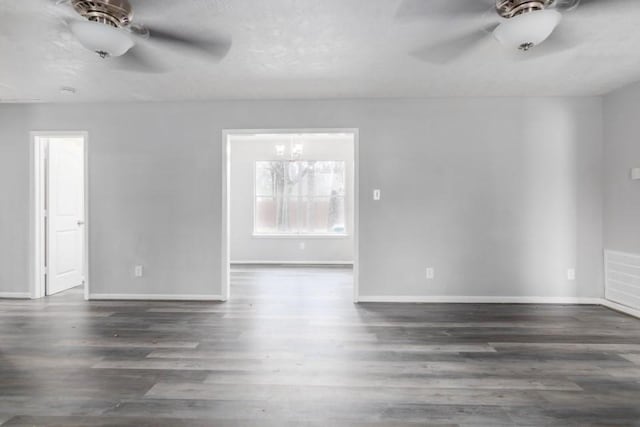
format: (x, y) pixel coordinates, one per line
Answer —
(291, 349)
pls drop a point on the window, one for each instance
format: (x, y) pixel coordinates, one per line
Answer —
(295, 197)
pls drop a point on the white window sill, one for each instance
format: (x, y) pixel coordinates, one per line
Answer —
(300, 236)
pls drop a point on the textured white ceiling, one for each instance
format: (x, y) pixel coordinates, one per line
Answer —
(315, 49)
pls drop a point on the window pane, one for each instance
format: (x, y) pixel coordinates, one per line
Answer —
(265, 215)
(329, 177)
(327, 214)
(265, 179)
(290, 221)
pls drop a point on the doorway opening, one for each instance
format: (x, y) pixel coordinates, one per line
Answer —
(290, 213)
(59, 249)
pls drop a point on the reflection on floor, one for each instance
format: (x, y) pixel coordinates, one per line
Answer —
(291, 349)
(326, 286)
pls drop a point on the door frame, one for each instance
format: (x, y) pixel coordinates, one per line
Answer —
(226, 226)
(36, 209)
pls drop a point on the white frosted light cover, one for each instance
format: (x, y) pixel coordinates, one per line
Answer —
(529, 28)
(101, 37)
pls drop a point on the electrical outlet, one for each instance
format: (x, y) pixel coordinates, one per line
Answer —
(302, 246)
(137, 271)
(571, 274)
(376, 194)
(430, 273)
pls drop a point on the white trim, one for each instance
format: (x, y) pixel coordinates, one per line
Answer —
(605, 254)
(36, 231)
(156, 297)
(86, 216)
(356, 215)
(480, 299)
(225, 267)
(293, 262)
(225, 226)
(621, 308)
(36, 217)
(299, 236)
(15, 295)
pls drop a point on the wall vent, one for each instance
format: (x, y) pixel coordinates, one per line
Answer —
(622, 278)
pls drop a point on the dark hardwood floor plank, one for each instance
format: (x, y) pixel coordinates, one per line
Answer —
(291, 349)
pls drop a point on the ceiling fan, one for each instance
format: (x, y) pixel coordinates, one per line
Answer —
(517, 24)
(106, 27)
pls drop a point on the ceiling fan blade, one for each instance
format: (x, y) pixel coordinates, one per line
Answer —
(451, 49)
(138, 61)
(418, 9)
(215, 47)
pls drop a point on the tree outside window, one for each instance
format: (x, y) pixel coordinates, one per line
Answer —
(300, 197)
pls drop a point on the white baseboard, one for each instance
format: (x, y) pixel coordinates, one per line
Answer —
(156, 297)
(293, 262)
(15, 295)
(621, 308)
(480, 300)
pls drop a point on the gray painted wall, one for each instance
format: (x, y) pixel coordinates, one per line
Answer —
(500, 195)
(621, 154)
(247, 247)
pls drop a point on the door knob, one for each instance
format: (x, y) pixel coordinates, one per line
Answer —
(80, 222)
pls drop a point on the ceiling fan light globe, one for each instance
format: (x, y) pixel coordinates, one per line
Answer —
(527, 30)
(101, 38)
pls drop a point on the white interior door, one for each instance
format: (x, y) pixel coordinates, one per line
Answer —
(65, 206)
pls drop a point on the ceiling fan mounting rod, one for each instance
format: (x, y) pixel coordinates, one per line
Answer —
(510, 8)
(116, 13)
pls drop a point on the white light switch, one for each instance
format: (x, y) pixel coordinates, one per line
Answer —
(376, 194)
(571, 274)
(301, 246)
(138, 271)
(635, 173)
